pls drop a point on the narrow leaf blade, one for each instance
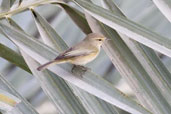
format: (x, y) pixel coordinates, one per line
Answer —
(148, 58)
(90, 81)
(55, 88)
(91, 103)
(129, 28)
(13, 57)
(76, 17)
(23, 106)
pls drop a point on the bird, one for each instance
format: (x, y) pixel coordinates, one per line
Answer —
(80, 54)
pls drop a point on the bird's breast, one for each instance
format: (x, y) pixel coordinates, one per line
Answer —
(82, 60)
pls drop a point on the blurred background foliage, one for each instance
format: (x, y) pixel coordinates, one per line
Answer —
(143, 12)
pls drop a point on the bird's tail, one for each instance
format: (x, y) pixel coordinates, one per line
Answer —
(50, 63)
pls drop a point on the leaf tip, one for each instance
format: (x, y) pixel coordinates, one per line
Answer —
(33, 12)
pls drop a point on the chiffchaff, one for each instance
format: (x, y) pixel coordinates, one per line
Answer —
(80, 54)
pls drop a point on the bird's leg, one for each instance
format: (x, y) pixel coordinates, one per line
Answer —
(73, 68)
(79, 70)
(83, 68)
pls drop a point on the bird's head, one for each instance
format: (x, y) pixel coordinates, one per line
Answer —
(95, 38)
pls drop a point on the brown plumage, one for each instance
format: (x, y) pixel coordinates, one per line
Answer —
(80, 54)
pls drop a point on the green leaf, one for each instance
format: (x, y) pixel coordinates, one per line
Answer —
(129, 67)
(153, 62)
(148, 58)
(129, 28)
(55, 88)
(51, 38)
(49, 35)
(24, 106)
(19, 3)
(5, 5)
(8, 101)
(165, 7)
(89, 82)
(165, 75)
(13, 57)
(22, 8)
(76, 16)
(12, 2)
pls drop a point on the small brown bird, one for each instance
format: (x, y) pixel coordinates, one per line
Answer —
(80, 54)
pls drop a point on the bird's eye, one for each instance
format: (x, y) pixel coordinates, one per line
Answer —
(100, 39)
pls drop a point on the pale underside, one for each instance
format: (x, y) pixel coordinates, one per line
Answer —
(78, 55)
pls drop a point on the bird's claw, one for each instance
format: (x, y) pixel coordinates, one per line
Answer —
(79, 70)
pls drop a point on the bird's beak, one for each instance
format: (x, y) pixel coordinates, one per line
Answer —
(107, 39)
(104, 38)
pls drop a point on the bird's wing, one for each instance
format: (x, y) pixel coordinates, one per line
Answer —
(74, 52)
